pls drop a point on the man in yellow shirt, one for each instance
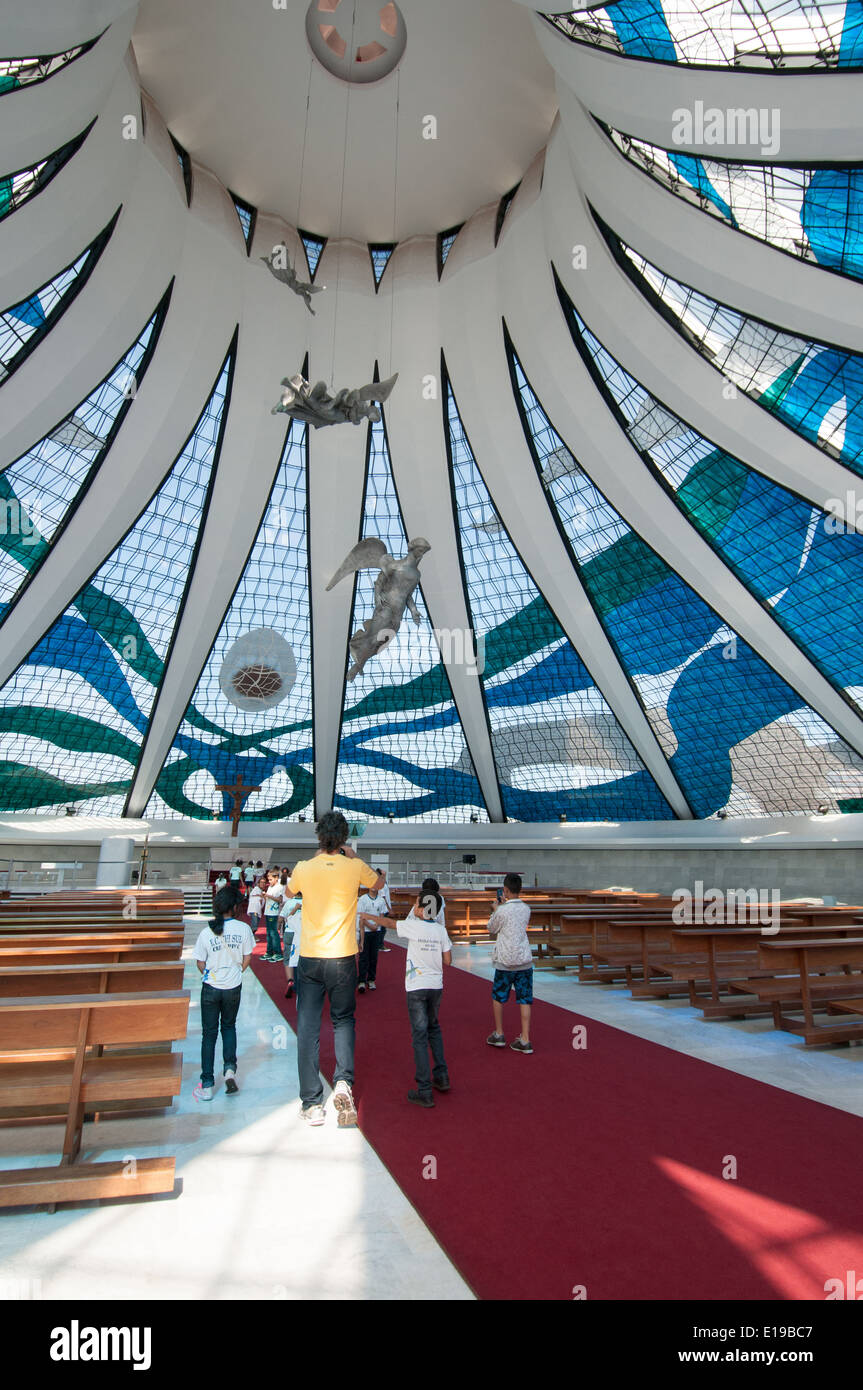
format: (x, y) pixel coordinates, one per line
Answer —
(327, 966)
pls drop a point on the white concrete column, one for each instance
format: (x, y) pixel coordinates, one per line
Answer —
(116, 855)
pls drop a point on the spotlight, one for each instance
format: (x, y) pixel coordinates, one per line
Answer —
(301, 818)
(71, 811)
(474, 819)
(391, 815)
(722, 815)
(562, 818)
(823, 809)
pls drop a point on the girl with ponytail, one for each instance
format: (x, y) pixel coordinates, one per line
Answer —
(222, 952)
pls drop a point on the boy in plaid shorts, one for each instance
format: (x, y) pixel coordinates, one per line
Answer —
(513, 962)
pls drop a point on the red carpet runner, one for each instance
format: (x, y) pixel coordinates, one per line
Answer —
(598, 1172)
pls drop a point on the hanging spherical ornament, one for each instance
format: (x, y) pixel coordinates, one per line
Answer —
(258, 671)
(357, 40)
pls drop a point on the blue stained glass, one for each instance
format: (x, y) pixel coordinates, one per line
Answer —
(790, 555)
(805, 34)
(245, 215)
(815, 389)
(23, 326)
(447, 241)
(402, 747)
(38, 490)
(557, 745)
(314, 246)
(18, 188)
(74, 715)
(812, 214)
(380, 260)
(736, 734)
(270, 748)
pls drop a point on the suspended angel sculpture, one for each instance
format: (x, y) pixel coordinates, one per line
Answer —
(316, 407)
(394, 590)
(279, 264)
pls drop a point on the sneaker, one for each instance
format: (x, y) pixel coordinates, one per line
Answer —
(343, 1100)
(421, 1098)
(277, 960)
(361, 989)
(443, 1085)
(231, 1086)
(384, 950)
(372, 984)
(313, 1114)
(203, 1092)
(496, 1040)
(520, 1046)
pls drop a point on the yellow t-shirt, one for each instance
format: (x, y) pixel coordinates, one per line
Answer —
(329, 884)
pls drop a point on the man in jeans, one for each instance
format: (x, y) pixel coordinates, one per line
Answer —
(429, 950)
(328, 963)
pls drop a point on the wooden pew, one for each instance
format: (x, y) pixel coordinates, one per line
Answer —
(805, 986)
(86, 1081)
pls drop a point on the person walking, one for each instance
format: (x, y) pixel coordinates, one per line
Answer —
(222, 952)
(274, 899)
(429, 950)
(513, 964)
(327, 966)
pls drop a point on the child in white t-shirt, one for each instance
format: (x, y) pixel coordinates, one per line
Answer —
(291, 922)
(256, 904)
(274, 899)
(223, 951)
(429, 950)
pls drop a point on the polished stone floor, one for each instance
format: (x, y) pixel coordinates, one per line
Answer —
(270, 1210)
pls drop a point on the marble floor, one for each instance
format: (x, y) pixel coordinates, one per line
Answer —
(269, 1210)
(272, 1210)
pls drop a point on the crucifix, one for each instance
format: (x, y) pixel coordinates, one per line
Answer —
(239, 792)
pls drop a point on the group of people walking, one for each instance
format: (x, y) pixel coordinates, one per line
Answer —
(328, 935)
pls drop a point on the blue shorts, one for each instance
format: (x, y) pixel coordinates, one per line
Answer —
(520, 980)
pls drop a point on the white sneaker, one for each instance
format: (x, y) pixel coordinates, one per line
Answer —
(203, 1092)
(372, 984)
(313, 1114)
(343, 1100)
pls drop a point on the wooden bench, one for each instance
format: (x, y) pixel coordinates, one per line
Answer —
(85, 1081)
(805, 961)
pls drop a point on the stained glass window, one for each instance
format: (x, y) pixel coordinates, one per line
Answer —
(40, 489)
(815, 214)
(736, 735)
(314, 249)
(815, 389)
(272, 747)
(247, 216)
(402, 748)
(17, 189)
(24, 72)
(24, 325)
(557, 745)
(74, 715)
(759, 34)
(380, 256)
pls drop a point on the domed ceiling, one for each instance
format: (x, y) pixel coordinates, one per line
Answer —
(569, 528)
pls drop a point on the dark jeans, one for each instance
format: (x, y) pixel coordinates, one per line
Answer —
(274, 946)
(369, 957)
(335, 980)
(218, 1006)
(423, 1008)
(382, 936)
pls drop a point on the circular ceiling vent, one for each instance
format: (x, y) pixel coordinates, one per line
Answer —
(357, 40)
(259, 671)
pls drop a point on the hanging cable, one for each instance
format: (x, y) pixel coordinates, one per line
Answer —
(342, 203)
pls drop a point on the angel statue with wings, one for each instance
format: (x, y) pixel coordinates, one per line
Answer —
(279, 264)
(316, 407)
(394, 590)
